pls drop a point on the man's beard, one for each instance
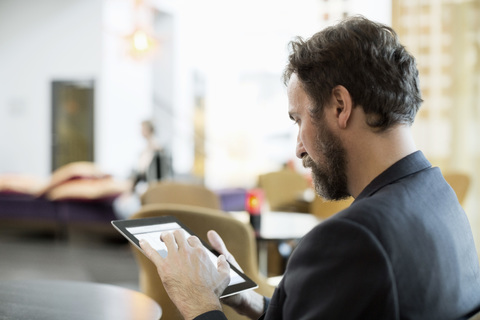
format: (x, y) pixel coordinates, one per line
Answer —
(330, 178)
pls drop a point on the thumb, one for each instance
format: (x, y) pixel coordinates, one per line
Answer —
(224, 270)
(222, 265)
(218, 244)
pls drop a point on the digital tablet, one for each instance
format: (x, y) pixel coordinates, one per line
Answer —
(150, 229)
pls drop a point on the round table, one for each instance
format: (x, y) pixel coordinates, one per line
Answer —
(52, 299)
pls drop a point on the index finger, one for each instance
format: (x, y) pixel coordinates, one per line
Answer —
(169, 240)
(151, 253)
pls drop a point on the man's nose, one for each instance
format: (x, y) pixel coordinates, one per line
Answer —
(300, 149)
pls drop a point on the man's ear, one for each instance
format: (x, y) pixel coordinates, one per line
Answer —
(343, 105)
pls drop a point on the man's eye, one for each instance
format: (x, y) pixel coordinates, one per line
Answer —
(295, 120)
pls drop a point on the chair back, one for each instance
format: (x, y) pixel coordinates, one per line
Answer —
(238, 236)
(283, 189)
(460, 182)
(324, 209)
(476, 316)
(180, 193)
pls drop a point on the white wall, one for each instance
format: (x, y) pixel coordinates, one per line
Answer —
(40, 41)
(47, 40)
(239, 48)
(125, 93)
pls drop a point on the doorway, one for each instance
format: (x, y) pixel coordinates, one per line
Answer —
(72, 122)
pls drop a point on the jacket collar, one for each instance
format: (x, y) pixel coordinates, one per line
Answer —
(404, 167)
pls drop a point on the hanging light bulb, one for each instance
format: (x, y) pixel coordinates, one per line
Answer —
(140, 41)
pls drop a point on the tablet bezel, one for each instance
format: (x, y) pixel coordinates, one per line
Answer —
(122, 225)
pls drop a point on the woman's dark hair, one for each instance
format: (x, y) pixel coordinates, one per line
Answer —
(368, 60)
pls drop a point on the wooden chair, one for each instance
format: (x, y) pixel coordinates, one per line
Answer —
(238, 236)
(460, 183)
(283, 190)
(325, 209)
(476, 316)
(321, 208)
(181, 193)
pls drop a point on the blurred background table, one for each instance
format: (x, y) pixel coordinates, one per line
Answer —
(51, 299)
(278, 226)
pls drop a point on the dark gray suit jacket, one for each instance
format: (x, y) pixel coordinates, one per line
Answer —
(403, 250)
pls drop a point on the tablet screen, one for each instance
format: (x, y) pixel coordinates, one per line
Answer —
(150, 230)
(152, 235)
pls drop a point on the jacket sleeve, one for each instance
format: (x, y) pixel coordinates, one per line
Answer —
(212, 315)
(338, 271)
(218, 315)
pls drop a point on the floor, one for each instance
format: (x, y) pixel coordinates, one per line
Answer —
(80, 258)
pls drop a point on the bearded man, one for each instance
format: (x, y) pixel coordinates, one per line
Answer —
(403, 249)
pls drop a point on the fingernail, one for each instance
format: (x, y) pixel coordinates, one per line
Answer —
(141, 242)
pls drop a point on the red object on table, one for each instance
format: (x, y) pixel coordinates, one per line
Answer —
(254, 204)
(254, 201)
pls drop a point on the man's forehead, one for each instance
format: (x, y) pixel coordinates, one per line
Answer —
(293, 81)
(297, 97)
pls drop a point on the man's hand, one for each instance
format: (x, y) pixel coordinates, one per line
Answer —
(249, 302)
(191, 280)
